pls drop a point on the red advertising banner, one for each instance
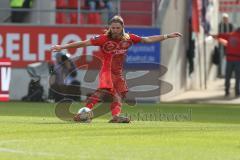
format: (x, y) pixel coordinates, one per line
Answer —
(229, 6)
(28, 44)
(5, 77)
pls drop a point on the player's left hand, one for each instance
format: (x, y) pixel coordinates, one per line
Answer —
(174, 34)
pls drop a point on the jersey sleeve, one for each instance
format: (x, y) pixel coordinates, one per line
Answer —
(135, 38)
(97, 40)
(224, 36)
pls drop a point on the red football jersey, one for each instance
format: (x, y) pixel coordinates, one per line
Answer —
(233, 47)
(114, 54)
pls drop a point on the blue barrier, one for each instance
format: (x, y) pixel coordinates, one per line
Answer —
(144, 56)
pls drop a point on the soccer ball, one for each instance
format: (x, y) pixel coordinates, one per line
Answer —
(84, 115)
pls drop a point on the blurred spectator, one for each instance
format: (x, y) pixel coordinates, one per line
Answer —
(19, 16)
(63, 76)
(109, 5)
(224, 27)
(62, 68)
(94, 5)
(232, 43)
(73, 85)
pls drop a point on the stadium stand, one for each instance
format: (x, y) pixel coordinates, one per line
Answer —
(55, 13)
(76, 12)
(140, 15)
(71, 15)
(143, 14)
(61, 17)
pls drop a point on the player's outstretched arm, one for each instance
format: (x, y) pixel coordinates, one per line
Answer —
(158, 38)
(78, 44)
(221, 40)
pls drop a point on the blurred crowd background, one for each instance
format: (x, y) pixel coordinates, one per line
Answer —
(28, 28)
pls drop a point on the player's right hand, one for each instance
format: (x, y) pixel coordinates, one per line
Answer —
(214, 36)
(56, 48)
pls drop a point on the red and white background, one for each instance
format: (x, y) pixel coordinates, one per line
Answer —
(232, 8)
(29, 44)
(229, 5)
(24, 45)
(5, 76)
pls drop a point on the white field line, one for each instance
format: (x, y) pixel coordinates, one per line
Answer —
(9, 150)
(9, 141)
(29, 153)
(37, 153)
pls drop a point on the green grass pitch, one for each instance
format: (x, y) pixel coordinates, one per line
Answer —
(159, 131)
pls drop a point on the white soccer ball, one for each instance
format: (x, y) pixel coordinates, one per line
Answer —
(85, 114)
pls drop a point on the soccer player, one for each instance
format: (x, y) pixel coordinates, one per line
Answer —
(114, 44)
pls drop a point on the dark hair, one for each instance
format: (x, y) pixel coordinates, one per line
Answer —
(64, 58)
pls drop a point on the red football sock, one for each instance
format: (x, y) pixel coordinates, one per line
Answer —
(115, 108)
(92, 101)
